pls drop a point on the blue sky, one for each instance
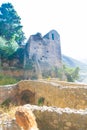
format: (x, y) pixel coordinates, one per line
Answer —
(68, 17)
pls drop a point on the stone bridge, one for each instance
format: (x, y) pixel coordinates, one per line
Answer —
(50, 93)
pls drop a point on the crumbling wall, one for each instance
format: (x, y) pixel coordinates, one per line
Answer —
(8, 93)
(53, 118)
(45, 53)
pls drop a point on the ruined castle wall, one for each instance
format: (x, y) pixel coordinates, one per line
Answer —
(46, 49)
(45, 53)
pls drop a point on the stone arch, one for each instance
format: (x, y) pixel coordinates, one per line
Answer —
(26, 97)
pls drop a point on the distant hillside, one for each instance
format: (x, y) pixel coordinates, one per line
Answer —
(75, 63)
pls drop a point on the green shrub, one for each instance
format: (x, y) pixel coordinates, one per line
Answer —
(41, 101)
(72, 74)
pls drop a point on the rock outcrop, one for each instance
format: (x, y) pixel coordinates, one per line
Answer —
(53, 118)
(49, 118)
(26, 119)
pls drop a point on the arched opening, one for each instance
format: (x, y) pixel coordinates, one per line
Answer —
(26, 97)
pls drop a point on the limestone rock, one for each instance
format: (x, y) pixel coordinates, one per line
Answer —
(26, 119)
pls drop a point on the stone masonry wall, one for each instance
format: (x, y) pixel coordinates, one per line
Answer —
(7, 92)
(45, 54)
(67, 103)
(53, 118)
(59, 94)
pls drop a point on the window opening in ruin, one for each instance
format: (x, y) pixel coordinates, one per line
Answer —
(52, 36)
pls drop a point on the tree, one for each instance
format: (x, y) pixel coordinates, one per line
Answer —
(10, 25)
(7, 48)
(72, 74)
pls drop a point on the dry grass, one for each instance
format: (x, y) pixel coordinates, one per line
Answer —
(7, 113)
